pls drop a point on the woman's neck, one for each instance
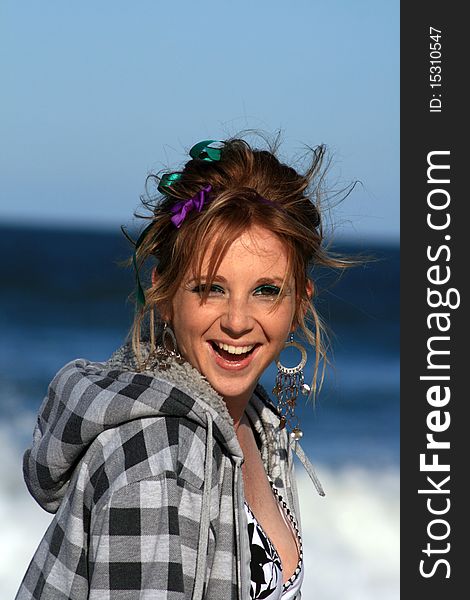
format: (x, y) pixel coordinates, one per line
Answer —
(236, 408)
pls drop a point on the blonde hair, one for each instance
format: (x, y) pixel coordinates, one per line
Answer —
(248, 187)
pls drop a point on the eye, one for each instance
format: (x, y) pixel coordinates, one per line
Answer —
(213, 291)
(267, 290)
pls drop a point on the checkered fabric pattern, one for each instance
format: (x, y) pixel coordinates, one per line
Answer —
(121, 457)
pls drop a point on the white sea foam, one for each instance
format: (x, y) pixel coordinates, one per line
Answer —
(22, 521)
(351, 543)
(351, 536)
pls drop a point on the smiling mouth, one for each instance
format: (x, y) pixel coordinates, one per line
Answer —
(234, 354)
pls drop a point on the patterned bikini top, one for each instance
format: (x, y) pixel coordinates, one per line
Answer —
(265, 565)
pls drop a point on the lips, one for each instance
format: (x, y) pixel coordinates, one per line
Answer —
(233, 357)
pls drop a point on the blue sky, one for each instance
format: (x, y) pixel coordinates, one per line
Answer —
(98, 93)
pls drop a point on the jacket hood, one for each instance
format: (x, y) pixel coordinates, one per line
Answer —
(86, 398)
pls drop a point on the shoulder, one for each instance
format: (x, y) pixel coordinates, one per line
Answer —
(145, 449)
(127, 425)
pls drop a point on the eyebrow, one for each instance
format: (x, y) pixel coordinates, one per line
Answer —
(268, 280)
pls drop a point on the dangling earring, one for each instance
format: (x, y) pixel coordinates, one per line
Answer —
(289, 382)
(169, 342)
(161, 356)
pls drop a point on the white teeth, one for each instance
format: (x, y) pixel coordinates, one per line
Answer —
(235, 349)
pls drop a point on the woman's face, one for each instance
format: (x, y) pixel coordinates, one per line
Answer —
(233, 336)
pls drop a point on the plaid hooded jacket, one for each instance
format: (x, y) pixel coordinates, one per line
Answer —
(143, 473)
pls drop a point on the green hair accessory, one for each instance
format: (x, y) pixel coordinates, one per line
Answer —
(204, 151)
(167, 181)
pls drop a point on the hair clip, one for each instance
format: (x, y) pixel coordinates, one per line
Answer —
(166, 181)
(203, 151)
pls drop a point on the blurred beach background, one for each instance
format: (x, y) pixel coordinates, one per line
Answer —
(98, 95)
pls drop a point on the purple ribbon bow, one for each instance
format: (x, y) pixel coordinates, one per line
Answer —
(181, 209)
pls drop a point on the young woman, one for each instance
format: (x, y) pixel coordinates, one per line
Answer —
(168, 468)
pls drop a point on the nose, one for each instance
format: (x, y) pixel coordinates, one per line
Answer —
(236, 319)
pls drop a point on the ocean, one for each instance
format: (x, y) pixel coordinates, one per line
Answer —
(64, 294)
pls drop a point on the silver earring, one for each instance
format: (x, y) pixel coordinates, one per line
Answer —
(162, 356)
(169, 342)
(289, 382)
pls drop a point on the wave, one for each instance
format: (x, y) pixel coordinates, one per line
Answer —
(22, 521)
(351, 536)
